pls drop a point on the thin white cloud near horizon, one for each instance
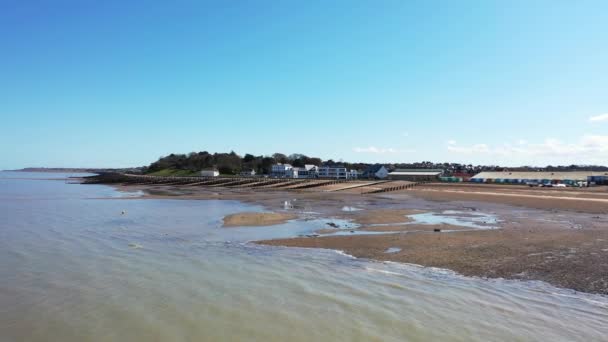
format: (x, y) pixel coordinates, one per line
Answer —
(379, 150)
(588, 149)
(599, 118)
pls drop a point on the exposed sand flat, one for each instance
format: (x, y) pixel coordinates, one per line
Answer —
(592, 202)
(366, 187)
(592, 192)
(568, 198)
(383, 216)
(568, 258)
(413, 228)
(257, 219)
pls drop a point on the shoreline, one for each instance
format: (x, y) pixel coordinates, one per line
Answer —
(565, 246)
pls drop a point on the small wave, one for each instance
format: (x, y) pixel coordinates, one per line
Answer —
(345, 254)
(382, 271)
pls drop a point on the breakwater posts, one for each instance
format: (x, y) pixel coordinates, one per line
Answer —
(263, 182)
(104, 177)
(269, 184)
(284, 183)
(237, 183)
(360, 186)
(392, 188)
(315, 184)
(212, 181)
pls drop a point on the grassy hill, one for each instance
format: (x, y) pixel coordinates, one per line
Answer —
(174, 172)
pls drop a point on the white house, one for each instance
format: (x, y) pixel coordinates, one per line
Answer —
(337, 172)
(280, 170)
(308, 171)
(210, 173)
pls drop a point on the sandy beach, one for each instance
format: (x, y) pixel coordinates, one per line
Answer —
(257, 219)
(555, 235)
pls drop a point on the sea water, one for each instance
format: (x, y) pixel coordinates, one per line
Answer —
(73, 267)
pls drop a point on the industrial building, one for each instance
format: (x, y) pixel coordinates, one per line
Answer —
(544, 177)
(416, 175)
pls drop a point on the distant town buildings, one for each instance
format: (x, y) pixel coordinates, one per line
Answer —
(312, 171)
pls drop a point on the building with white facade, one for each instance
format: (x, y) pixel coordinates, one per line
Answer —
(308, 171)
(280, 170)
(337, 172)
(210, 173)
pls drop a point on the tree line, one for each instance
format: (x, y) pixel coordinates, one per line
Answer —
(228, 163)
(232, 164)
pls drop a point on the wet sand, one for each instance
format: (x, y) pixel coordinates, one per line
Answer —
(554, 235)
(576, 259)
(590, 200)
(257, 219)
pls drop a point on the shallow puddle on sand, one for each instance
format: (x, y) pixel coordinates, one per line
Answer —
(349, 209)
(450, 217)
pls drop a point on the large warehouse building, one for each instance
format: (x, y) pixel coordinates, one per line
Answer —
(564, 177)
(416, 175)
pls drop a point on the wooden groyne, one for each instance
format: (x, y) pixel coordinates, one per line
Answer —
(393, 188)
(261, 184)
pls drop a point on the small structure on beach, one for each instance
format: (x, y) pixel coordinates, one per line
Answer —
(210, 173)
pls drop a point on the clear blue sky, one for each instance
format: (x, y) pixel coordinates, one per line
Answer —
(120, 83)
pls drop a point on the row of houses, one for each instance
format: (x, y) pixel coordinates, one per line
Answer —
(312, 171)
(377, 171)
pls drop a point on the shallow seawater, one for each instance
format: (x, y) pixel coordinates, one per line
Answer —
(476, 220)
(74, 268)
